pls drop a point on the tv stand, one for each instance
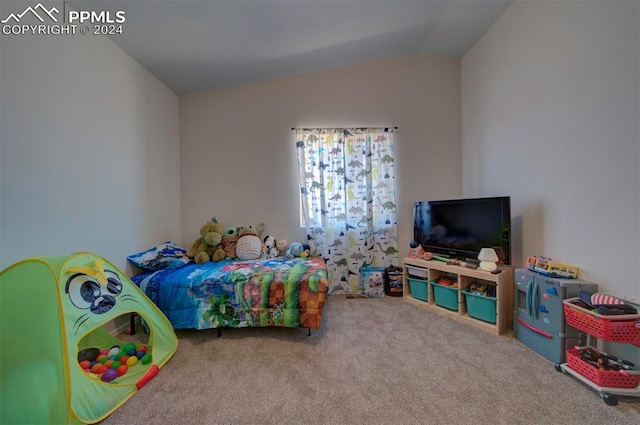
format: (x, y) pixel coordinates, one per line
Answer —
(434, 269)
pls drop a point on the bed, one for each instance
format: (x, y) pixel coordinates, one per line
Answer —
(288, 292)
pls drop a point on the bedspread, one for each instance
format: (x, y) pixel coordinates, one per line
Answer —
(289, 292)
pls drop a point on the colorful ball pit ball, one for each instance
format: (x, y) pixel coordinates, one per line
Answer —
(128, 347)
(109, 375)
(108, 364)
(122, 370)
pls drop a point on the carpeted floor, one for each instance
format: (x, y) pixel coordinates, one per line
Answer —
(374, 361)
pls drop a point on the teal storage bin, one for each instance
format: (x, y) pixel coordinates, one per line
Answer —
(419, 289)
(479, 307)
(445, 296)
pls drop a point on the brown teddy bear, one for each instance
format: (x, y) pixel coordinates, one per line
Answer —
(207, 246)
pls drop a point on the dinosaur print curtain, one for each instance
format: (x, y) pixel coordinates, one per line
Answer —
(348, 200)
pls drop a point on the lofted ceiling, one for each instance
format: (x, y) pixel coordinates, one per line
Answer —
(201, 45)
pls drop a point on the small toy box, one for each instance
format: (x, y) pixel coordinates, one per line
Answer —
(445, 296)
(419, 288)
(479, 306)
(393, 281)
(418, 272)
(372, 282)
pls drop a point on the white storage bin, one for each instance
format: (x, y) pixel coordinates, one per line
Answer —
(417, 272)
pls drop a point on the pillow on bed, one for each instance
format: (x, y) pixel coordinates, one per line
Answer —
(167, 255)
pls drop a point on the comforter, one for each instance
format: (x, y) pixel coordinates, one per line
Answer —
(289, 292)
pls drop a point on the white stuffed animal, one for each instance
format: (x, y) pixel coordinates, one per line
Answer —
(269, 248)
(249, 246)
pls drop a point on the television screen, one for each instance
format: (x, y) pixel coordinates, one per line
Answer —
(460, 228)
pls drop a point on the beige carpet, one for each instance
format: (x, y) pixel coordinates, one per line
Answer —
(374, 361)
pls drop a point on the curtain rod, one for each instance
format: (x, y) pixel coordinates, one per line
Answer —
(339, 128)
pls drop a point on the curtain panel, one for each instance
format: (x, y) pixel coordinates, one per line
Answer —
(348, 204)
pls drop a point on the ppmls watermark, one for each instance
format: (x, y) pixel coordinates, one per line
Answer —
(41, 20)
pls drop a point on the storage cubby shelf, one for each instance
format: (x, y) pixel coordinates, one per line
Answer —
(434, 269)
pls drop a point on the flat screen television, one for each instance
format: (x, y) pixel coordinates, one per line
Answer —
(460, 228)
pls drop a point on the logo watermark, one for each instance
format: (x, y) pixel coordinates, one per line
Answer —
(42, 20)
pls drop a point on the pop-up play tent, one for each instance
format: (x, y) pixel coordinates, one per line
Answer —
(53, 343)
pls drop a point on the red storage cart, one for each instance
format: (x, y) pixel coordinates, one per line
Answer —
(623, 329)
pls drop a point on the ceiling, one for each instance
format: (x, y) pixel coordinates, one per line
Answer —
(201, 45)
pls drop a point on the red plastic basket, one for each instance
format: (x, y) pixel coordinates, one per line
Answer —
(610, 379)
(623, 329)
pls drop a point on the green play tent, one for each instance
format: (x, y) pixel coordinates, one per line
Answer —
(52, 312)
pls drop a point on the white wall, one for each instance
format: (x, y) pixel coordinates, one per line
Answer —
(90, 150)
(238, 150)
(550, 110)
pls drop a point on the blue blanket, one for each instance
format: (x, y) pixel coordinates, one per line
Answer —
(287, 292)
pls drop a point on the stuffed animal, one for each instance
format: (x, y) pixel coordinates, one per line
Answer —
(296, 249)
(249, 245)
(229, 242)
(207, 246)
(269, 247)
(282, 246)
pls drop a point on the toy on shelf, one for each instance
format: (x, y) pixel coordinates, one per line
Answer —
(547, 267)
(450, 261)
(447, 280)
(466, 264)
(416, 250)
(429, 256)
(482, 289)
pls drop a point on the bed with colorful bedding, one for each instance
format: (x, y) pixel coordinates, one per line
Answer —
(287, 292)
